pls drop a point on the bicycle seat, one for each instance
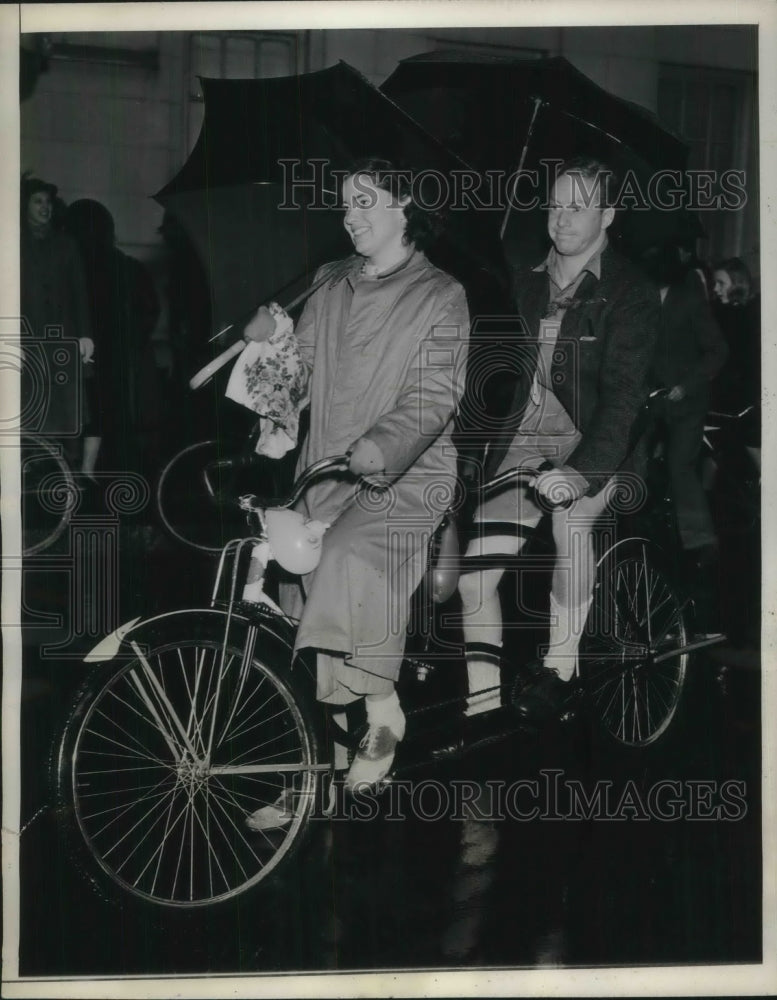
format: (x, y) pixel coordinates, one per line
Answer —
(442, 574)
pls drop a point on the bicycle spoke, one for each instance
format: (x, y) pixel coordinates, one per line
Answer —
(638, 616)
(164, 839)
(244, 722)
(161, 822)
(141, 751)
(158, 692)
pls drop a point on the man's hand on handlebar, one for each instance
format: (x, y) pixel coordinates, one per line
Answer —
(561, 486)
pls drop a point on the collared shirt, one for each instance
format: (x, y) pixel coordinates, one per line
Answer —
(354, 269)
(593, 264)
(558, 302)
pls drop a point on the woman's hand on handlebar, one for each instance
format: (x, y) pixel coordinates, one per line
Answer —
(261, 327)
(366, 459)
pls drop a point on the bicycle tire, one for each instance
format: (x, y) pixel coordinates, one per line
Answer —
(49, 494)
(145, 819)
(187, 511)
(633, 678)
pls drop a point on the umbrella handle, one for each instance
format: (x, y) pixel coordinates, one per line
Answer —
(206, 374)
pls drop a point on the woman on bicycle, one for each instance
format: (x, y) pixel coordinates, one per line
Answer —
(385, 341)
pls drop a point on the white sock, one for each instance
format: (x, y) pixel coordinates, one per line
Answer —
(564, 641)
(387, 712)
(483, 673)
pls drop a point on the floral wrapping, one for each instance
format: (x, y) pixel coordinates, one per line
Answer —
(271, 379)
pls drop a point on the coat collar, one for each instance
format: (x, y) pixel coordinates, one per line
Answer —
(351, 268)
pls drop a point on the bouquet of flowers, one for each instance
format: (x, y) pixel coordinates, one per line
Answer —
(270, 378)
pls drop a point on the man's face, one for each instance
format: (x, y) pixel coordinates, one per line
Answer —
(575, 221)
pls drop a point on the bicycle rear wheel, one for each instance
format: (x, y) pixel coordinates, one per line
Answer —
(633, 668)
(150, 811)
(49, 493)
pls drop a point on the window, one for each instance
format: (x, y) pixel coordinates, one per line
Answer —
(714, 111)
(450, 43)
(237, 55)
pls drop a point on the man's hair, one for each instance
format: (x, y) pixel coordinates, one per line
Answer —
(598, 173)
(423, 226)
(741, 282)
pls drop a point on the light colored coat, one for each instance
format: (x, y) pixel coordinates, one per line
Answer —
(387, 362)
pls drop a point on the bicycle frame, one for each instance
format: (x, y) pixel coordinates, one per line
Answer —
(214, 716)
(238, 596)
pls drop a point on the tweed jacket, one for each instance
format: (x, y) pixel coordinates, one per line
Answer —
(600, 370)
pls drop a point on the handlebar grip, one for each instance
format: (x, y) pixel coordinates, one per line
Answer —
(206, 374)
(225, 464)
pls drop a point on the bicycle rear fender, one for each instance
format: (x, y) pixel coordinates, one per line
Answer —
(139, 632)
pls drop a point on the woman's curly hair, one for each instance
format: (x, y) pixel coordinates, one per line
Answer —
(741, 281)
(424, 225)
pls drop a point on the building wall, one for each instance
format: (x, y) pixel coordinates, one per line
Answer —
(112, 133)
(119, 133)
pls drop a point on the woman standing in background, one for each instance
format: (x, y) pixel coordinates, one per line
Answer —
(53, 300)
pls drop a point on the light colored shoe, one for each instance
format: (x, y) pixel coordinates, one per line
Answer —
(275, 816)
(373, 759)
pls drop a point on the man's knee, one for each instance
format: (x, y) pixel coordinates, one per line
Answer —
(578, 525)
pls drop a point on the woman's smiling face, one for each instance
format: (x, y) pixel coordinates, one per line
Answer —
(375, 221)
(39, 208)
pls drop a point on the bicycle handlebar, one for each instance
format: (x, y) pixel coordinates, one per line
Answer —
(304, 480)
(339, 462)
(519, 472)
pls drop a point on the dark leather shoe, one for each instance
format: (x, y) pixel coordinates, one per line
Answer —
(472, 730)
(543, 697)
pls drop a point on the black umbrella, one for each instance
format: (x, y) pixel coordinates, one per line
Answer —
(258, 193)
(501, 114)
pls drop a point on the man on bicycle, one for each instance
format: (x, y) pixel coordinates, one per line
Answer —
(590, 321)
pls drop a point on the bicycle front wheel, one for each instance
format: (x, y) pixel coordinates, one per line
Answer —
(161, 763)
(632, 660)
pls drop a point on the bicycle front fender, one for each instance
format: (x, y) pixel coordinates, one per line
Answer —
(139, 631)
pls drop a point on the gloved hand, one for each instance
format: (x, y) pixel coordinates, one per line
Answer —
(366, 458)
(261, 327)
